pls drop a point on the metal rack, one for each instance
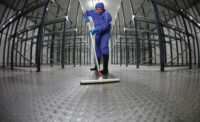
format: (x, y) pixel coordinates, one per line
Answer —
(157, 33)
(43, 33)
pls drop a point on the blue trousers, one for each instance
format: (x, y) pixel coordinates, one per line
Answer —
(101, 44)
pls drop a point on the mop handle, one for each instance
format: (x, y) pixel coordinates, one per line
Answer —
(93, 48)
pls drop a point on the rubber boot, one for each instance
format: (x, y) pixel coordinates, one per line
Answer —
(95, 67)
(105, 64)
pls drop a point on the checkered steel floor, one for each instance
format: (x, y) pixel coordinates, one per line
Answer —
(142, 95)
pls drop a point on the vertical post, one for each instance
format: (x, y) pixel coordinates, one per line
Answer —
(40, 35)
(198, 49)
(155, 60)
(194, 50)
(16, 50)
(114, 54)
(117, 53)
(63, 45)
(53, 40)
(25, 47)
(177, 51)
(160, 35)
(148, 38)
(133, 14)
(31, 50)
(119, 58)
(137, 45)
(9, 40)
(124, 21)
(87, 43)
(47, 46)
(80, 56)
(69, 53)
(111, 48)
(170, 39)
(120, 50)
(13, 42)
(81, 42)
(84, 52)
(126, 48)
(189, 46)
(74, 48)
(171, 52)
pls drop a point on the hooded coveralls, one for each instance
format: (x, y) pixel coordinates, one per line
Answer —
(102, 22)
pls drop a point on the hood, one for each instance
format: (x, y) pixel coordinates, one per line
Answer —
(99, 5)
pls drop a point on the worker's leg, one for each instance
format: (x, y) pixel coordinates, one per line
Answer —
(105, 51)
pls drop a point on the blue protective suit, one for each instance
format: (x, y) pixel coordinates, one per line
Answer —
(102, 22)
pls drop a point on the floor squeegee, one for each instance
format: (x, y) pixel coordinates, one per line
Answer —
(100, 79)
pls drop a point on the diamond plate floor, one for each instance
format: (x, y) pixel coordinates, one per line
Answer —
(142, 95)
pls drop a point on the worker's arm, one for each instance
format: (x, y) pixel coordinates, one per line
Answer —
(86, 14)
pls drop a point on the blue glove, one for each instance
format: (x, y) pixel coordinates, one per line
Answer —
(94, 31)
(87, 18)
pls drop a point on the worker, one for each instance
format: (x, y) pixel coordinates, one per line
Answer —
(101, 19)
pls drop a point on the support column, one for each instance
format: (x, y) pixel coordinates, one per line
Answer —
(40, 35)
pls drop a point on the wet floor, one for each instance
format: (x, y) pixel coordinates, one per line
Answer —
(55, 95)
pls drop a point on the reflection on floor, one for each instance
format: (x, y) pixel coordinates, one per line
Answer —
(144, 94)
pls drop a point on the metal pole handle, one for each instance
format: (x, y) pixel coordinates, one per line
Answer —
(93, 48)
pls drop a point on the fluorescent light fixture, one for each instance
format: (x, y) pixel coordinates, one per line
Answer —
(191, 18)
(11, 19)
(198, 24)
(92, 3)
(133, 17)
(19, 12)
(66, 17)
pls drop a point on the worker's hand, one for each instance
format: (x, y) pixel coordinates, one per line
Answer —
(94, 31)
(87, 19)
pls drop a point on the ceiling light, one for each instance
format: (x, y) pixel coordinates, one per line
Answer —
(198, 24)
(11, 19)
(191, 18)
(133, 17)
(66, 17)
(92, 3)
(19, 12)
